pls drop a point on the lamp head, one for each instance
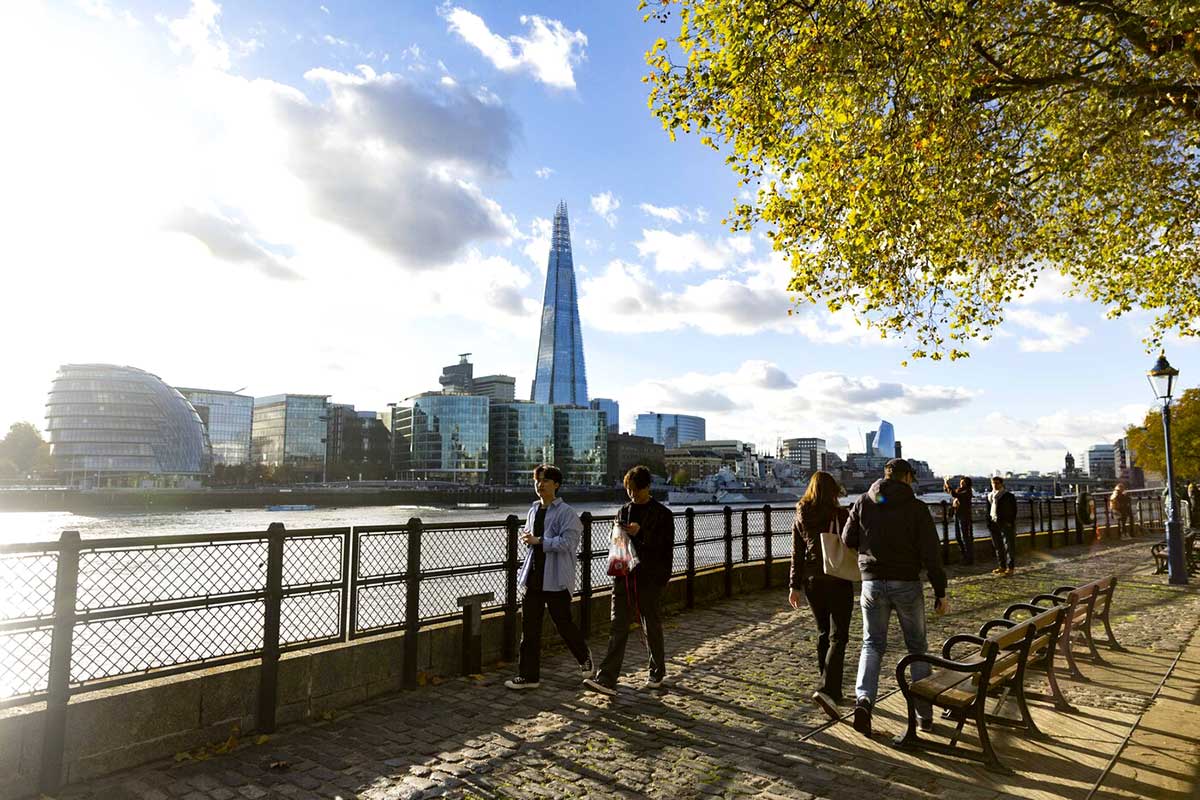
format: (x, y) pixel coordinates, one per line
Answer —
(1162, 378)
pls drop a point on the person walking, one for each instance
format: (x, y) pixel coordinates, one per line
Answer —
(829, 597)
(1122, 505)
(651, 529)
(552, 532)
(964, 523)
(1193, 501)
(895, 538)
(1002, 524)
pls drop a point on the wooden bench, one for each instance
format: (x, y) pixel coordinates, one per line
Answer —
(1049, 625)
(1083, 604)
(1158, 551)
(962, 686)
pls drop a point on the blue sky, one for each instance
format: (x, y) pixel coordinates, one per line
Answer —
(339, 197)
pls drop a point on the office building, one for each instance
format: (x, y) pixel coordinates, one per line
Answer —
(580, 445)
(228, 418)
(520, 436)
(458, 378)
(612, 412)
(117, 426)
(670, 430)
(808, 454)
(1100, 461)
(289, 434)
(441, 437)
(884, 444)
(497, 388)
(690, 464)
(357, 443)
(560, 377)
(626, 451)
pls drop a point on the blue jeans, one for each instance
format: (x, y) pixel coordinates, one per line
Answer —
(878, 599)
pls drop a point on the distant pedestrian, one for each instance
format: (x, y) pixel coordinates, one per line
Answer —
(895, 538)
(831, 598)
(1193, 500)
(552, 532)
(964, 523)
(1122, 505)
(651, 528)
(1002, 524)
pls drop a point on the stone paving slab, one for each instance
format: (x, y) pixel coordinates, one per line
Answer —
(731, 724)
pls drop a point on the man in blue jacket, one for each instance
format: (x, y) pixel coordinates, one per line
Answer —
(552, 532)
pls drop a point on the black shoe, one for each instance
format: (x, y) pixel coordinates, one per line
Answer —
(521, 683)
(926, 725)
(862, 716)
(594, 684)
(826, 704)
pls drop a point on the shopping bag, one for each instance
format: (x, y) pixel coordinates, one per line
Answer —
(621, 558)
(838, 560)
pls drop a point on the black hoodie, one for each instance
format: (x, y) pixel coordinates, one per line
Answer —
(895, 536)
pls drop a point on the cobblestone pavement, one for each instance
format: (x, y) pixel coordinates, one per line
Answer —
(730, 723)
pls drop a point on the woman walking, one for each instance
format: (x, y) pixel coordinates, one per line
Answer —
(830, 598)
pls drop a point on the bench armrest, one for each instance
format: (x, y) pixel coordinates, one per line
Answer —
(991, 624)
(959, 638)
(966, 667)
(1063, 590)
(1032, 608)
(1053, 598)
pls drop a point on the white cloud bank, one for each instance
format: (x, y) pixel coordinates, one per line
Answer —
(549, 50)
(605, 206)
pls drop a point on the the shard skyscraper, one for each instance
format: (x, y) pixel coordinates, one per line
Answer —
(560, 377)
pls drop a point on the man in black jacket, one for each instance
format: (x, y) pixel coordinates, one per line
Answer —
(1002, 524)
(895, 538)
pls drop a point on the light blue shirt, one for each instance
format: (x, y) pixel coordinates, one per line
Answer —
(560, 541)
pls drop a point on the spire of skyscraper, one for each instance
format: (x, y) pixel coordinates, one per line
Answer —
(560, 377)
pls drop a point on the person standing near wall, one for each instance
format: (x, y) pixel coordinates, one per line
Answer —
(1121, 504)
(964, 523)
(1002, 523)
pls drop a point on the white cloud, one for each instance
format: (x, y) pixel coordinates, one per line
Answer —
(543, 172)
(335, 41)
(605, 205)
(681, 252)
(197, 33)
(229, 240)
(669, 213)
(324, 9)
(1057, 331)
(549, 50)
(537, 243)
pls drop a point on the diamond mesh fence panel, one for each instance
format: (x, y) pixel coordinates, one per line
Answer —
(710, 539)
(24, 662)
(310, 617)
(781, 532)
(601, 537)
(27, 585)
(465, 546)
(127, 645)
(382, 553)
(127, 577)
(312, 559)
(380, 606)
(438, 595)
(755, 521)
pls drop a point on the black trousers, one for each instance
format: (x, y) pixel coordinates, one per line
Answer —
(1004, 540)
(964, 534)
(1125, 525)
(559, 603)
(832, 602)
(648, 594)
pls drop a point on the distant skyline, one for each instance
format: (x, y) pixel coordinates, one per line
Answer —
(337, 198)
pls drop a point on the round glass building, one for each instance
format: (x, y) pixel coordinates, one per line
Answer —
(121, 426)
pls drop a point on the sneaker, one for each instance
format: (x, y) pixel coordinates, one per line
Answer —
(586, 669)
(653, 683)
(926, 725)
(862, 716)
(521, 683)
(596, 686)
(1008, 572)
(827, 704)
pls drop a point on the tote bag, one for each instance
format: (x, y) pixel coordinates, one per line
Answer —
(838, 560)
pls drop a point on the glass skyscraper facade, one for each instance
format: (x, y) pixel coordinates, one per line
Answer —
(521, 436)
(120, 426)
(560, 377)
(885, 440)
(670, 430)
(227, 418)
(612, 412)
(289, 431)
(580, 445)
(442, 437)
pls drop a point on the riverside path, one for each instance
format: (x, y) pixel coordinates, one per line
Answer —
(735, 720)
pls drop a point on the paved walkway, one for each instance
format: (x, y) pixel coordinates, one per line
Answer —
(736, 720)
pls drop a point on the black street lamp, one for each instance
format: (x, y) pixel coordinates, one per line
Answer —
(1162, 380)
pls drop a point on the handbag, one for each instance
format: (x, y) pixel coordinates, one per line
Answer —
(837, 559)
(621, 557)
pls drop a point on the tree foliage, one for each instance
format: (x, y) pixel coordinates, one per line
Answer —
(23, 450)
(1146, 440)
(922, 163)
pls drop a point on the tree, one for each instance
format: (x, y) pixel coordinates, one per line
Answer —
(681, 478)
(1146, 440)
(923, 163)
(25, 449)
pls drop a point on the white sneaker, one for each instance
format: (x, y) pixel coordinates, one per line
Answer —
(521, 683)
(651, 683)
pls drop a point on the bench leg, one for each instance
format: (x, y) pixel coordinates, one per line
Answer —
(1060, 702)
(1023, 707)
(1064, 644)
(910, 735)
(989, 755)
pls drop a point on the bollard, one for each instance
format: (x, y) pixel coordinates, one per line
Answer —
(689, 587)
(54, 736)
(728, 536)
(585, 575)
(268, 674)
(472, 630)
(412, 605)
(509, 632)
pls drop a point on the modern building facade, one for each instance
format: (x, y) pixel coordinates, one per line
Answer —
(690, 464)
(580, 445)
(1100, 461)
(807, 453)
(290, 432)
(626, 450)
(121, 426)
(885, 440)
(228, 418)
(560, 377)
(670, 430)
(521, 436)
(497, 388)
(611, 409)
(458, 378)
(356, 443)
(441, 437)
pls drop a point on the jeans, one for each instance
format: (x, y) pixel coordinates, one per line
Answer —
(878, 600)
(964, 534)
(831, 600)
(1004, 541)
(529, 662)
(647, 593)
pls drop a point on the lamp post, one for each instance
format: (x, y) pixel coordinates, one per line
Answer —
(1162, 380)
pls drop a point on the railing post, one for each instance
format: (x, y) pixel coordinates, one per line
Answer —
(1107, 519)
(54, 737)
(509, 634)
(412, 604)
(268, 673)
(585, 575)
(1066, 523)
(728, 551)
(767, 560)
(349, 585)
(945, 532)
(745, 535)
(1049, 523)
(1033, 526)
(689, 587)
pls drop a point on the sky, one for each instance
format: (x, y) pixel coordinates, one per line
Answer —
(340, 197)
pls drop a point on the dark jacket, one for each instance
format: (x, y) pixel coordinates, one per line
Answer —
(807, 527)
(895, 536)
(1006, 509)
(963, 496)
(654, 543)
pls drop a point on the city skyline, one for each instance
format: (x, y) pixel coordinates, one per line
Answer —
(211, 181)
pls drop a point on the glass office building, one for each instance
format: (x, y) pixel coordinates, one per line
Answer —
(290, 431)
(120, 426)
(560, 377)
(612, 412)
(521, 437)
(227, 418)
(580, 446)
(670, 430)
(885, 440)
(441, 437)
